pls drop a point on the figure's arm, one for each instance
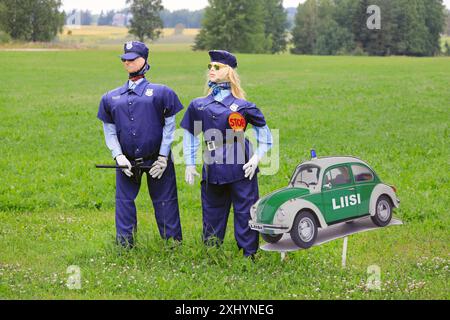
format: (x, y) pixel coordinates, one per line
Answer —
(168, 136)
(264, 139)
(112, 142)
(191, 144)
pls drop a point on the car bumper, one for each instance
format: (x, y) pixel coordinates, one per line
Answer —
(397, 202)
(267, 228)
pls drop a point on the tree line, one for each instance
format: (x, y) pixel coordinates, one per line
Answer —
(31, 20)
(322, 27)
(407, 27)
(325, 27)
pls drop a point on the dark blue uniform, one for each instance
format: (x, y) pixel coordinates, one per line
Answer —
(224, 183)
(139, 116)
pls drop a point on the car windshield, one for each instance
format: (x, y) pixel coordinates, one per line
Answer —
(306, 175)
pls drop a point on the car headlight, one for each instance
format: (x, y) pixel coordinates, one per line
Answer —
(253, 212)
(281, 215)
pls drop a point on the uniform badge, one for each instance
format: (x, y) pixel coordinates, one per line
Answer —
(234, 107)
(129, 45)
(237, 122)
(116, 98)
(149, 92)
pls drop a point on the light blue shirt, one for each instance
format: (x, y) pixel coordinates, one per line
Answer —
(191, 143)
(113, 144)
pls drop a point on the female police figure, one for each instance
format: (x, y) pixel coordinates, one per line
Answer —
(229, 171)
(139, 122)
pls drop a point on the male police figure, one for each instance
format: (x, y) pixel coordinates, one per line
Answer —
(139, 122)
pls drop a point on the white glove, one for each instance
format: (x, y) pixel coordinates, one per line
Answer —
(191, 173)
(123, 161)
(158, 167)
(251, 166)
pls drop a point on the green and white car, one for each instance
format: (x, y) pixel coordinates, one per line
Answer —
(323, 192)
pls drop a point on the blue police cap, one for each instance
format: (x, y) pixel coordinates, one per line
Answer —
(223, 57)
(134, 50)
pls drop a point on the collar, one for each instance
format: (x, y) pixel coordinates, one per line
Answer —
(222, 95)
(136, 82)
(139, 90)
(227, 102)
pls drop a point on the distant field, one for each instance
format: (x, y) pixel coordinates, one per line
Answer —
(56, 210)
(101, 36)
(107, 37)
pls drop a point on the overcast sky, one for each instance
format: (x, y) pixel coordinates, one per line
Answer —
(99, 5)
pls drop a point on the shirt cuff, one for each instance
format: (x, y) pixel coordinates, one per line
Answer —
(264, 139)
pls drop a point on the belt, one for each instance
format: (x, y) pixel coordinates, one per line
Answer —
(216, 144)
(137, 170)
(153, 156)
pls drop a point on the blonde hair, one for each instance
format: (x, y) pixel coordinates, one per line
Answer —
(235, 81)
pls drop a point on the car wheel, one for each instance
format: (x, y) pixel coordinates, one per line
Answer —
(269, 238)
(304, 230)
(383, 211)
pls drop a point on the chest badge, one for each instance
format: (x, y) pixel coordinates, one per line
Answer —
(234, 107)
(149, 92)
(237, 122)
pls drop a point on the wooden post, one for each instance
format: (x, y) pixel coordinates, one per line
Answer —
(344, 253)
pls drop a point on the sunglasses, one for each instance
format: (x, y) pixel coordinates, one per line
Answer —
(131, 60)
(216, 67)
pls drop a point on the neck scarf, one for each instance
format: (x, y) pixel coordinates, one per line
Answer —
(217, 87)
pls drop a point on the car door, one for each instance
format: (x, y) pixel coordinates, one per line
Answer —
(339, 194)
(364, 183)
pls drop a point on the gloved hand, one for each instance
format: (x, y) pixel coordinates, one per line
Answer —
(191, 173)
(123, 161)
(251, 166)
(159, 167)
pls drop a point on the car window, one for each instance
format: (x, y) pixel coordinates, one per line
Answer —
(337, 176)
(307, 174)
(362, 173)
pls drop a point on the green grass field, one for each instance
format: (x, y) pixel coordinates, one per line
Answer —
(56, 210)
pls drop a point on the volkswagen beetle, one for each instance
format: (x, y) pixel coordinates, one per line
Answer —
(323, 192)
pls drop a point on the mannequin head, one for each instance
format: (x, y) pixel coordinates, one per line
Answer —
(225, 74)
(133, 66)
(220, 75)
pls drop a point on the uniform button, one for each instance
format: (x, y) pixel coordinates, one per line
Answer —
(130, 103)
(132, 119)
(134, 133)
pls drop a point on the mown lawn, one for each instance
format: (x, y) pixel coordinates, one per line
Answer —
(57, 210)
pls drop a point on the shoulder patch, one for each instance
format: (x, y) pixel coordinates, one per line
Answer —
(234, 107)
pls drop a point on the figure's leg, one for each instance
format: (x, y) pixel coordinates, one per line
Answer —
(216, 204)
(244, 195)
(126, 220)
(165, 202)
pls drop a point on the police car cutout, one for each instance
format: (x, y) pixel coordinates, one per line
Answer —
(323, 192)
